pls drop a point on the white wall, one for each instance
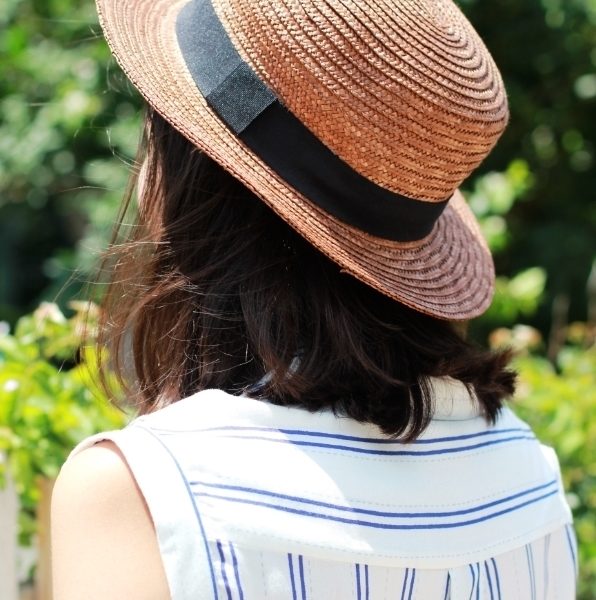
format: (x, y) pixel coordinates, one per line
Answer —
(8, 542)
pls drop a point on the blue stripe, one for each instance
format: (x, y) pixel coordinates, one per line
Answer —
(490, 584)
(497, 577)
(530, 561)
(412, 584)
(473, 581)
(369, 512)
(478, 581)
(447, 586)
(236, 572)
(293, 582)
(302, 581)
(196, 511)
(571, 548)
(366, 587)
(350, 438)
(403, 589)
(306, 513)
(358, 588)
(223, 570)
(358, 450)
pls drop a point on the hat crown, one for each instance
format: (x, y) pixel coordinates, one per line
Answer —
(405, 92)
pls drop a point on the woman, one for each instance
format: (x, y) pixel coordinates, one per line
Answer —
(289, 315)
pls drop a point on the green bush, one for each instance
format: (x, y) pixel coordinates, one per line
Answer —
(48, 401)
(69, 127)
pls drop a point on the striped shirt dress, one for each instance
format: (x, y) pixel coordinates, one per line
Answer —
(253, 501)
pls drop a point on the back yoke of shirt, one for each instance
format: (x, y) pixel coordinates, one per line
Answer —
(252, 501)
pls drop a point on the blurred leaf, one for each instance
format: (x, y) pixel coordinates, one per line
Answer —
(49, 400)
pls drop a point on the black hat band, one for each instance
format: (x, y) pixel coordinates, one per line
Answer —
(253, 112)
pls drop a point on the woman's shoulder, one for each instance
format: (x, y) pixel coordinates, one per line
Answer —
(102, 530)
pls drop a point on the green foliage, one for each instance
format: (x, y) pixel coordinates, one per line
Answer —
(518, 296)
(492, 198)
(68, 127)
(559, 402)
(48, 401)
(546, 51)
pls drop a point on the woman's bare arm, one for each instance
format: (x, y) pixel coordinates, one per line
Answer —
(103, 541)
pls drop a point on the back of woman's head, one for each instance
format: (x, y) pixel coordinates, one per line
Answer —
(211, 289)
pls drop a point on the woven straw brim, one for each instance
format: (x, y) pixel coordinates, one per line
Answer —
(449, 274)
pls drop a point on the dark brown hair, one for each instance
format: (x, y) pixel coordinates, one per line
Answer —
(210, 289)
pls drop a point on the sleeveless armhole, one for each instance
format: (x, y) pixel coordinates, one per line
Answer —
(170, 503)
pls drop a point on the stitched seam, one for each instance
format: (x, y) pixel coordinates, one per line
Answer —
(391, 556)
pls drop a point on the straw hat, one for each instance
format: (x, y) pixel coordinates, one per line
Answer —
(354, 120)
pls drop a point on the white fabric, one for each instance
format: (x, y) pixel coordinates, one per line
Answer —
(257, 501)
(9, 510)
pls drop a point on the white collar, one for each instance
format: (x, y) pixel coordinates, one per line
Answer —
(452, 400)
